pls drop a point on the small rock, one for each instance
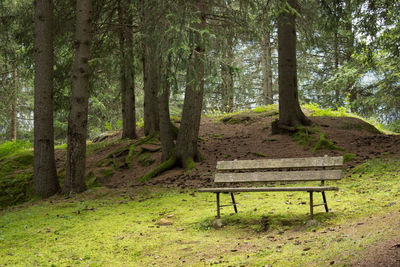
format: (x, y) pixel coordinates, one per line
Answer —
(164, 222)
(151, 148)
(312, 223)
(217, 224)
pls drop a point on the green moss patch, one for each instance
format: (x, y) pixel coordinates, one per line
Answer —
(129, 158)
(124, 229)
(107, 173)
(16, 178)
(324, 143)
(239, 118)
(146, 159)
(159, 169)
(258, 154)
(347, 157)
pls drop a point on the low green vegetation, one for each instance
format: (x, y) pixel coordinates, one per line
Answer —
(155, 226)
(159, 169)
(9, 148)
(129, 158)
(258, 154)
(146, 159)
(324, 143)
(372, 124)
(15, 175)
(307, 136)
(347, 157)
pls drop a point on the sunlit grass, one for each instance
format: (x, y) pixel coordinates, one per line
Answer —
(122, 228)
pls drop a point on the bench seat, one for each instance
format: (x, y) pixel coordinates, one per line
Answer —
(267, 171)
(268, 189)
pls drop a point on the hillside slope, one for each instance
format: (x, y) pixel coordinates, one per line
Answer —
(245, 135)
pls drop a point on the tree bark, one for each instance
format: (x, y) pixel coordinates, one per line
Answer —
(227, 77)
(78, 117)
(267, 69)
(13, 122)
(45, 180)
(127, 80)
(186, 148)
(290, 113)
(167, 135)
(151, 70)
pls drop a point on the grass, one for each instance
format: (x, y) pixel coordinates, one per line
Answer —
(16, 177)
(120, 228)
(9, 148)
(316, 110)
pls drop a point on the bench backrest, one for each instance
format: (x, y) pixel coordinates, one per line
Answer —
(279, 170)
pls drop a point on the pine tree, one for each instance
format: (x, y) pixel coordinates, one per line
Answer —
(45, 175)
(290, 114)
(78, 117)
(127, 81)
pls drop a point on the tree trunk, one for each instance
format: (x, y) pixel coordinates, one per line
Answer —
(151, 70)
(13, 130)
(227, 77)
(166, 128)
(78, 117)
(186, 148)
(336, 63)
(290, 113)
(45, 180)
(127, 80)
(267, 69)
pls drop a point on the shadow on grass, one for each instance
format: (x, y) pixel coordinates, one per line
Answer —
(257, 221)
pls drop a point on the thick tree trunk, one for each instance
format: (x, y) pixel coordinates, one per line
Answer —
(151, 74)
(227, 93)
(13, 122)
(151, 70)
(127, 79)
(290, 113)
(45, 180)
(186, 148)
(167, 135)
(267, 69)
(78, 117)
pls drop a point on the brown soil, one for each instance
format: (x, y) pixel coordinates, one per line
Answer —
(248, 137)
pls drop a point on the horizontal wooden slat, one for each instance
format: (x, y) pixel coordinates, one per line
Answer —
(275, 176)
(268, 189)
(280, 163)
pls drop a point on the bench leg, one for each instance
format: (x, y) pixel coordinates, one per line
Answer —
(325, 203)
(218, 206)
(311, 205)
(234, 203)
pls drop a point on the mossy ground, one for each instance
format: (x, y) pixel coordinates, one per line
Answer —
(122, 228)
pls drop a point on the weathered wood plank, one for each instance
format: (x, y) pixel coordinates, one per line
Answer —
(276, 176)
(280, 163)
(269, 189)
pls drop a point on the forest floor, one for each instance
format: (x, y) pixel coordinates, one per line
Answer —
(121, 221)
(244, 135)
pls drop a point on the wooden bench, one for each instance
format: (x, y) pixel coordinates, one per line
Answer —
(288, 171)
